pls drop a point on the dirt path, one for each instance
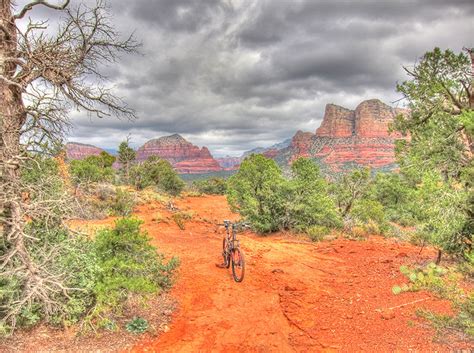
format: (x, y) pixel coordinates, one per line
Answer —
(297, 296)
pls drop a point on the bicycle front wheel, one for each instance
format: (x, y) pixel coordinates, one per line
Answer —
(225, 252)
(238, 264)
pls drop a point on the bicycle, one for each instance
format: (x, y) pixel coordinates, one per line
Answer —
(231, 250)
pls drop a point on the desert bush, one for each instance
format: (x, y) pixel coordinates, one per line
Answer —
(159, 173)
(267, 200)
(369, 215)
(306, 199)
(68, 264)
(128, 264)
(444, 283)
(92, 169)
(255, 192)
(137, 325)
(317, 233)
(122, 204)
(212, 186)
(358, 232)
(350, 187)
(181, 217)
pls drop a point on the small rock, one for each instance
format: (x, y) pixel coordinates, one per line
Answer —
(277, 270)
(290, 289)
(402, 254)
(387, 314)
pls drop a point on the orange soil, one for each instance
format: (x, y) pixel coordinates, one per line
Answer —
(297, 296)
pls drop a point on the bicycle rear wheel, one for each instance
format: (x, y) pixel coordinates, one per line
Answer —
(238, 264)
(225, 252)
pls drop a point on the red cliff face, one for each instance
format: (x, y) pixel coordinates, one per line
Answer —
(351, 137)
(75, 150)
(301, 144)
(185, 157)
(338, 122)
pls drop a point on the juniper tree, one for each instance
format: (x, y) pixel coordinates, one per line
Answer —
(438, 157)
(44, 73)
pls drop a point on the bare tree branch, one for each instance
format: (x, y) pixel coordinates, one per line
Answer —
(32, 4)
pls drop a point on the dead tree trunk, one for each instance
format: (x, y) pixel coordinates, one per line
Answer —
(12, 118)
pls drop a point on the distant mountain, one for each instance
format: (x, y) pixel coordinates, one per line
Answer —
(228, 162)
(185, 157)
(76, 150)
(348, 138)
(270, 150)
(232, 163)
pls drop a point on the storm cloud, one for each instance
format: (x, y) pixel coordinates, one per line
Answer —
(236, 74)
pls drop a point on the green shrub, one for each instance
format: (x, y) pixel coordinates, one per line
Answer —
(212, 186)
(445, 284)
(92, 169)
(317, 233)
(370, 215)
(137, 325)
(123, 203)
(306, 199)
(71, 261)
(128, 264)
(255, 192)
(157, 172)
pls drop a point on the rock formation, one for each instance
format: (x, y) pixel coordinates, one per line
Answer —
(185, 157)
(76, 150)
(349, 138)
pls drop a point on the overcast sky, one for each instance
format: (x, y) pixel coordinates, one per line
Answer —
(236, 74)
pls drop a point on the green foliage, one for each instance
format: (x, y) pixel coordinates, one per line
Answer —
(267, 200)
(442, 212)
(440, 113)
(255, 192)
(157, 172)
(137, 325)
(65, 257)
(307, 201)
(122, 204)
(212, 186)
(126, 156)
(438, 156)
(317, 233)
(128, 264)
(445, 284)
(395, 193)
(92, 169)
(349, 188)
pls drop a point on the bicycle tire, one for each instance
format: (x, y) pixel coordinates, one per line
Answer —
(238, 269)
(225, 253)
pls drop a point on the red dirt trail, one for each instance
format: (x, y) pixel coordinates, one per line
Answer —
(297, 296)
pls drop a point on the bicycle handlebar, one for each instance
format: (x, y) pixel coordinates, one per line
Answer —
(235, 225)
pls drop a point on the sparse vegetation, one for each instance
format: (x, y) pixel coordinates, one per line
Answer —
(159, 173)
(211, 186)
(181, 217)
(444, 282)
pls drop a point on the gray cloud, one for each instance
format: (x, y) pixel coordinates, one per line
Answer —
(236, 74)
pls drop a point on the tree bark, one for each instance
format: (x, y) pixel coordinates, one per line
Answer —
(12, 118)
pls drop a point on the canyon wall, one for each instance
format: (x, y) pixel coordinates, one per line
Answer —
(76, 150)
(185, 157)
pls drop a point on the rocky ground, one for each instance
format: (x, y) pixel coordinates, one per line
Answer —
(297, 296)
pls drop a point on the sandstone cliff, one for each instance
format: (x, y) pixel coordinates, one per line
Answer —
(185, 157)
(76, 150)
(349, 138)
